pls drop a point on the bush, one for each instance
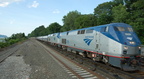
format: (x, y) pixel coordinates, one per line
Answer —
(12, 41)
(2, 45)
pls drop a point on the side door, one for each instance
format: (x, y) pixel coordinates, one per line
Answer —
(97, 39)
(104, 39)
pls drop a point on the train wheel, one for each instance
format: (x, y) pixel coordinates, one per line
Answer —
(96, 57)
(84, 54)
(105, 59)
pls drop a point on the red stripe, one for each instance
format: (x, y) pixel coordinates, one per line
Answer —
(91, 51)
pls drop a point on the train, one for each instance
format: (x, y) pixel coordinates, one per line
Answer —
(115, 44)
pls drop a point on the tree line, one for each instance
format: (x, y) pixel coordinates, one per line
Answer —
(125, 11)
(13, 39)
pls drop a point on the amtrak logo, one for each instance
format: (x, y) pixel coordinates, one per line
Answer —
(129, 38)
(88, 39)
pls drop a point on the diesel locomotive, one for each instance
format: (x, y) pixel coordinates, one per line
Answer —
(115, 44)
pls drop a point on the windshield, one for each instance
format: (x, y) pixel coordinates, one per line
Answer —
(129, 29)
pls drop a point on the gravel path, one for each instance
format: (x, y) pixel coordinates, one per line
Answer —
(31, 61)
(14, 68)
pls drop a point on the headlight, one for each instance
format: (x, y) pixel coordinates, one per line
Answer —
(125, 47)
(139, 47)
(132, 42)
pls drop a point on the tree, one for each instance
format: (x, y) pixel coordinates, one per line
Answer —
(120, 14)
(15, 38)
(39, 31)
(86, 20)
(53, 28)
(103, 12)
(137, 18)
(135, 15)
(69, 20)
(117, 2)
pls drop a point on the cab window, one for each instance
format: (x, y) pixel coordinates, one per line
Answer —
(105, 29)
(119, 28)
(129, 29)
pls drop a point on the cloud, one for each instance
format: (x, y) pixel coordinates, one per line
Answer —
(56, 11)
(35, 4)
(5, 3)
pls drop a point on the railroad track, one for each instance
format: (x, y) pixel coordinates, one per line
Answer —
(8, 52)
(98, 67)
(112, 71)
(143, 61)
(87, 63)
(73, 68)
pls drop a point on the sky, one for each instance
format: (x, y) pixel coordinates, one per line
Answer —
(23, 16)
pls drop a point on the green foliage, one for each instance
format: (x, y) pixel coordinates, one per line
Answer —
(75, 20)
(69, 20)
(13, 39)
(117, 2)
(103, 12)
(41, 30)
(2, 44)
(53, 28)
(120, 14)
(136, 18)
(85, 21)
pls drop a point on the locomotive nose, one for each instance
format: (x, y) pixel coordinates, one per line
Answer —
(130, 39)
(130, 64)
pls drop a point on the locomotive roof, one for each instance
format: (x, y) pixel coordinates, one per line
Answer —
(98, 27)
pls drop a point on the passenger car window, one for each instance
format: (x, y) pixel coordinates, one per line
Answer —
(81, 32)
(67, 33)
(89, 31)
(78, 32)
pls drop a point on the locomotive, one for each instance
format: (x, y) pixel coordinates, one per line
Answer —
(115, 44)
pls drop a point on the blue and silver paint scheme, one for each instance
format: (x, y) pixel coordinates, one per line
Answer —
(115, 43)
(121, 44)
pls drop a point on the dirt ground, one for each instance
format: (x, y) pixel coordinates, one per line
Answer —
(31, 61)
